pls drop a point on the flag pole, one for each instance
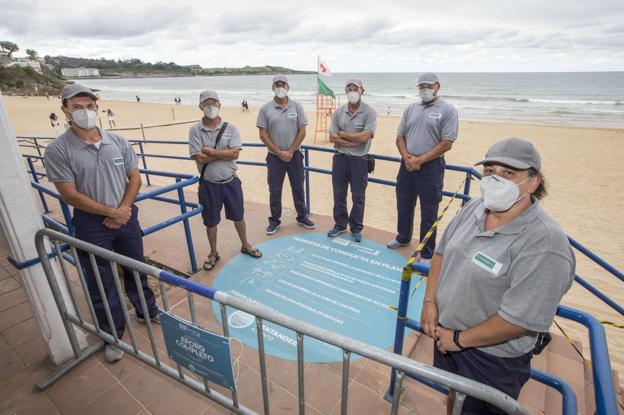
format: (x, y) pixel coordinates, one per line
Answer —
(318, 65)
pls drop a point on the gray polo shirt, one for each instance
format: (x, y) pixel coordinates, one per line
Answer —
(424, 126)
(101, 174)
(364, 119)
(282, 124)
(520, 270)
(199, 136)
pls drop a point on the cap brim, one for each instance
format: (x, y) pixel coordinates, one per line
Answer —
(507, 161)
(91, 94)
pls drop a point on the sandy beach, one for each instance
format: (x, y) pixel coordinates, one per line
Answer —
(581, 166)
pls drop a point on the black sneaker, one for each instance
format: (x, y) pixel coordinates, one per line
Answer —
(272, 228)
(335, 232)
(307, 223)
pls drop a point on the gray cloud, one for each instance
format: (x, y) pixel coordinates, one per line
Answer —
(379, 36)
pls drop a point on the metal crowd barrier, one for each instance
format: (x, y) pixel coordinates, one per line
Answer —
(604, 389)
(74, 319)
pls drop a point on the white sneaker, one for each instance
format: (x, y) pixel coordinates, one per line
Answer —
(112, 354)
(394, 244)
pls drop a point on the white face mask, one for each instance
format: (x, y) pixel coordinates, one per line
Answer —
(426, 94)
(85, 119)
(500, 194)
(281, 92)
(353, 97)
(211, 112)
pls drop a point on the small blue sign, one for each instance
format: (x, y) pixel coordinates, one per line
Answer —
(198, 350)
(333, 283)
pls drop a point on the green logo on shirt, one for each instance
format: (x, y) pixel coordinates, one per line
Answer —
(292, 115)
(487, 263)
(118, 161)
(435, 115)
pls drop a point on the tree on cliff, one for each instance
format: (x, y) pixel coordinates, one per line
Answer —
(8, 47)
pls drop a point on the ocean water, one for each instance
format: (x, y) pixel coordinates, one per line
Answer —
(594, 99)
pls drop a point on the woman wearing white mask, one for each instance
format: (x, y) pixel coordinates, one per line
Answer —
(497, 276)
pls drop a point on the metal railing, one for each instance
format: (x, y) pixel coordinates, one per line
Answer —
(181, 182)
(73, 318)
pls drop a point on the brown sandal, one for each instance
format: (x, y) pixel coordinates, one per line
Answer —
(210, 263)
(251, 251)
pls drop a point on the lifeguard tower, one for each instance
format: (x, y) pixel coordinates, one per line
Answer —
(325, 102)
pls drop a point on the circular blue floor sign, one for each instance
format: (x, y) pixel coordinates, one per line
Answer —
(334, 283)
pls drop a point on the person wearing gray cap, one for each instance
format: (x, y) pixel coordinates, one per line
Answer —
(215, 145)
(282, 126)
(351, 130)
(497, 276)
(426, 132)
(96, 172)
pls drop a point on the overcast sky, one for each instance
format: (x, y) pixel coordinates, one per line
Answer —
(352, 36)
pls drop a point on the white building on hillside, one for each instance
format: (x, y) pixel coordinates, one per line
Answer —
(25, 63)
(80, 72)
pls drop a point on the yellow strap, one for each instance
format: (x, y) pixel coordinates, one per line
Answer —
(612, 324)
(586, 362)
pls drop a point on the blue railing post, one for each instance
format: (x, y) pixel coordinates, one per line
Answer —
(399, 333)
(35, 176)
(68, 217)
(187, 228)
(604, 390)
(306, 161)
(147, 178)
(37, 147)
(466, 187)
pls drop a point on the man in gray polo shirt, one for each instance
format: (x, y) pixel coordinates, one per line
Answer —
(95, 171)
(427, 130)
(282, 126)
(498, 274)
(215, 146)
(352, 129)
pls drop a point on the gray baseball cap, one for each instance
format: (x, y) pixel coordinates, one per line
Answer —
(514, 152)
(354, 81)
(428, 78)
(278, 78)
(71, 90)
(207, 94)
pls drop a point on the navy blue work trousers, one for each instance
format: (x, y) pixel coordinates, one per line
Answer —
(277, 170)
(349, 171)
(425, 184)
(127, 241)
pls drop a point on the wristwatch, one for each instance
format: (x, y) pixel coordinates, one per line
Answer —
(456, 334)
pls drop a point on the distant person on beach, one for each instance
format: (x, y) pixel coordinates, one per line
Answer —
(497, 276)
(111, 118)
(352, 129)
(215, 145)
(54, 120)
(244, 106)
(426, 131)
(282, 126)
(138, 99)
(388, 111)
(96, 172)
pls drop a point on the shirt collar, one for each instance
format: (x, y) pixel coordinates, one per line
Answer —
(288, 104)
(217, 128)
(435, 103)
(517, 225)
(81, 145)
